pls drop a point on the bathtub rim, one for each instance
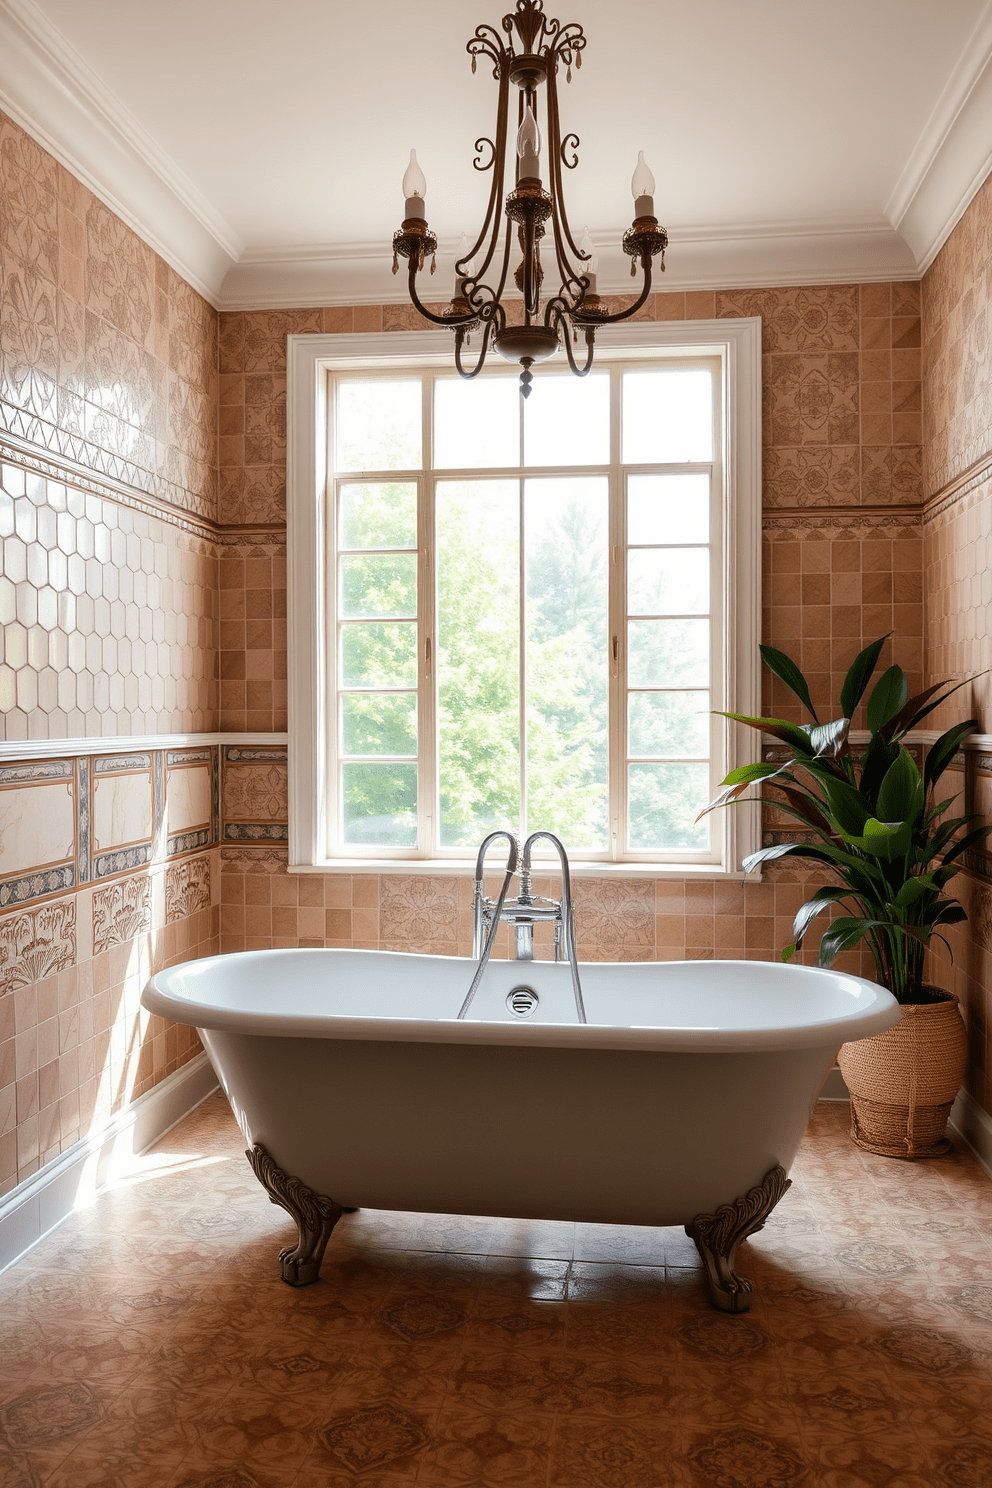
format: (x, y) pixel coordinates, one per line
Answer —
(883, 1012)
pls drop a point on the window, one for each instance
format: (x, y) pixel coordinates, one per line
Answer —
(521, 614)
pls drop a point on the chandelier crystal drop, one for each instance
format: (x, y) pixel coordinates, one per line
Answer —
(526, 59)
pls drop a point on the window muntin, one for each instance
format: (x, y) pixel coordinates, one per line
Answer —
(555, 678)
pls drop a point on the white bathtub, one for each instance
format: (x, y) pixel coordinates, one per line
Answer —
(687, 1090)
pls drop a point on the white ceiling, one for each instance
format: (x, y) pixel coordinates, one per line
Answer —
(260, 145)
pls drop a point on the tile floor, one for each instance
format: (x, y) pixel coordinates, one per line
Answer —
(149, 1343)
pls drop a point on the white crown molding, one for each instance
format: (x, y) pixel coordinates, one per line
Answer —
(759, 255)
(47, 88)
(953, 155)
(54, 94)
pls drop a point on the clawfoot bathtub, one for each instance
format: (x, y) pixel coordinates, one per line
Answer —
(681, 1101)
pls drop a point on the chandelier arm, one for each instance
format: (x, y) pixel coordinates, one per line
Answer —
(487, 42)
(491, 224)
(505, 269)
(554, 160)
(646, 265)
(566, 335)
(459, 340)
(568, 42)
(441, 320)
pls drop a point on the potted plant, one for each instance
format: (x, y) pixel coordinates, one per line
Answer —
(871, 821)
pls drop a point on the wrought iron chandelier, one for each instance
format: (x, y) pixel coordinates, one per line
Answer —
(528, 60)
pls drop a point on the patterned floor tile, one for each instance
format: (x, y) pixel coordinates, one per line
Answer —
(150, 1340)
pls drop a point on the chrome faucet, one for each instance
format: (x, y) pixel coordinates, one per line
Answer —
(523, 913)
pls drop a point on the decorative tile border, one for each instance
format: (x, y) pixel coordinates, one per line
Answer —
(36, 770)
(255, 832)
(37, 885)
(254, 794)
(37, 944)
(247, 860)
(89, 865)
(120, 912)
(187, 889)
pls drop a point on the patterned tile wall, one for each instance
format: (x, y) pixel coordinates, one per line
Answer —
(107, 356)
(957, 540)
(75, 1046)
(108, 871)
(956, 315)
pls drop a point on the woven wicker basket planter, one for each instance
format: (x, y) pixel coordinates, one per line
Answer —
(903, 1081)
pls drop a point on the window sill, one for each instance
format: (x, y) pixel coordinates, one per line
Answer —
(465, 867)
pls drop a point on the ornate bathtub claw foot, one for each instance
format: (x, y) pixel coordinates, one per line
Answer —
(717, 1236)
(315, 1217)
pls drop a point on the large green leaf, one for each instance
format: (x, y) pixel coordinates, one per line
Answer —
(878, 759)
(887, 697)
(858, 677)
(779, 728)
(807, 913)
(900, 796)
(787, 671)
(913, 712)
(940, 754)
(830, 738)
(913, 890)
(745, 774)
(971, 839)
(841, 935)
(817, 854)
(884, 841)
(847, 807)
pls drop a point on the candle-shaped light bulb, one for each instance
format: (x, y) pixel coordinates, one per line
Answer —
(414, 188)
(591, 263)
(642, 188)
(528, 146)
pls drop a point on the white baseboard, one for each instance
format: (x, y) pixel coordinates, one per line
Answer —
(974, 1126)
(36, 1206)
(834, 1088)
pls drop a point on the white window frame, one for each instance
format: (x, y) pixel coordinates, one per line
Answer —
(737, 345)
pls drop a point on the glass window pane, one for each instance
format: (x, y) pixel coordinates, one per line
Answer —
(669, 724)
(378, 425)
(566, 585)
(379, 804)
(668, 509)
(377, 723)
(668, 416)
(383, 515)
(379, 655)
(668, 581)
(478, 658)
(379, 584)
(567, 420)
(663, 803)
(476, 424)
(668, 653)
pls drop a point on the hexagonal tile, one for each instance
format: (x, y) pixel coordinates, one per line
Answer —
(25, 520)
(27, 603)
(58, 569)
(27, 689)
(15, 560)
(66, 525)
(37, 647)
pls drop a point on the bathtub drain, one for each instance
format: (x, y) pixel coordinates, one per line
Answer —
(522, 1001)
